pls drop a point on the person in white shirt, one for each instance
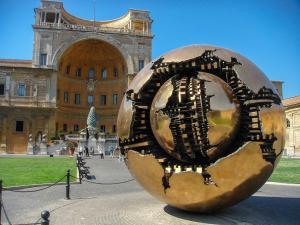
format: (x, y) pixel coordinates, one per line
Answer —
(100, 150)
(80, 151)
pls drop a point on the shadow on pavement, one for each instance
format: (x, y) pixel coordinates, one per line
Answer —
(255, 210)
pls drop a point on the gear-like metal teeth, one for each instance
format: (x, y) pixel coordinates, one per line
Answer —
(193, 94)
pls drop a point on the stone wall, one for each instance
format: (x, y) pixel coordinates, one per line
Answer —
(292, 145)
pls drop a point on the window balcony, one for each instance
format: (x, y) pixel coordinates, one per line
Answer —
(26, 101)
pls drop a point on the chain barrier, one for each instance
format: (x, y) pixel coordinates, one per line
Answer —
(5, 214)
(68, 186)
(104, 183)
(41, 189)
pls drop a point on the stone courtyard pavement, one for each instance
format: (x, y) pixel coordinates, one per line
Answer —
(128, 203)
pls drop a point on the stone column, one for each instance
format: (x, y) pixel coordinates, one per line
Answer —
(59, 19)
(7, 88)
(3, 143)
(144, 27)
(51, 125)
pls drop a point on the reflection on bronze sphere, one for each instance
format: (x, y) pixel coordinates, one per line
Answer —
(201, 128)
(222, 118)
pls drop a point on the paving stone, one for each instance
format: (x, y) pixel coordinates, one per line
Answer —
(128, 203)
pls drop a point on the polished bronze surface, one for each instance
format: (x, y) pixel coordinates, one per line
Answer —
(201, 128)
(222, 118)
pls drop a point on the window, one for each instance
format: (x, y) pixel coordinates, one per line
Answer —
(21, 89)
(288, 123)
(66, 96)
(116, 72)
(43, 59)
(78, 72)
(102, 128)
(76, 127)
(90, 99)
(57, 18)
(91, 73)
(65, 127)
(102, 99)
(43, 16)
(103, 73)
(1, 89)
(19, 126)
(114, 129)
(141, 64)
(115, 99)
(50, 17)
(77, 99)
(68, 69)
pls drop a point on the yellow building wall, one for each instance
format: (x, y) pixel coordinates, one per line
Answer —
(96, 55)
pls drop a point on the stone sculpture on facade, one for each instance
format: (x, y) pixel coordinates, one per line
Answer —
(201, 128)
(30, 145)
(43, 145)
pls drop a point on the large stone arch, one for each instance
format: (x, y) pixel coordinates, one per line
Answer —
(74, 39)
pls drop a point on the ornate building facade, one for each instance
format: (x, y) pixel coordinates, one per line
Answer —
(292, 140)
(76, 64)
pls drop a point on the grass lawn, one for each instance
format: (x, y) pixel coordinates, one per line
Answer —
(34, 170)
(287, 171)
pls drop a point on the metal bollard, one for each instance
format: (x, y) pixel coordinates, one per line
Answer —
(68, 185)
(80, 177)
(0, 200)
(45, 215)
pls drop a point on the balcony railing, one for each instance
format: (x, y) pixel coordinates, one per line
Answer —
(26, 101)
(91, 28)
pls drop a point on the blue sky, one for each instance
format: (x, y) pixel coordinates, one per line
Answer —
(265, 31)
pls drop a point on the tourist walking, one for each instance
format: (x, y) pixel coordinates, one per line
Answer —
(80, 151)
(101, 154)
(100, 150)
(87, 151)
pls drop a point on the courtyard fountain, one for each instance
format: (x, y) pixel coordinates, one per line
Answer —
(92, 137)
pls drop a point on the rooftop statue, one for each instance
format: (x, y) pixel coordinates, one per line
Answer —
(201, 128)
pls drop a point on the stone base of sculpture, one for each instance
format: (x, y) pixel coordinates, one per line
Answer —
(43, 149)
(30, 149)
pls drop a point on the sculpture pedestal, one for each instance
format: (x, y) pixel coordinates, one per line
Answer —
(29, 149)
(3, 148)
(101, 145)
(43, 149)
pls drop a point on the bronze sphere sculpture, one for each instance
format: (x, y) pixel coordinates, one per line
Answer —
(201, 128)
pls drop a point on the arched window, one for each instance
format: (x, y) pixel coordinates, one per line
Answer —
(91, 73)
(90, 99)
(141, 64)
(288, 123)
(78, 72)
(116, 72)
(68, 69)
(103, 73)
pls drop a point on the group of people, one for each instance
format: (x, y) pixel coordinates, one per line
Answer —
(84, 151)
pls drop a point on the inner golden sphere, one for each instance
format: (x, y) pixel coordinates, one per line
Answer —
(222, 113)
